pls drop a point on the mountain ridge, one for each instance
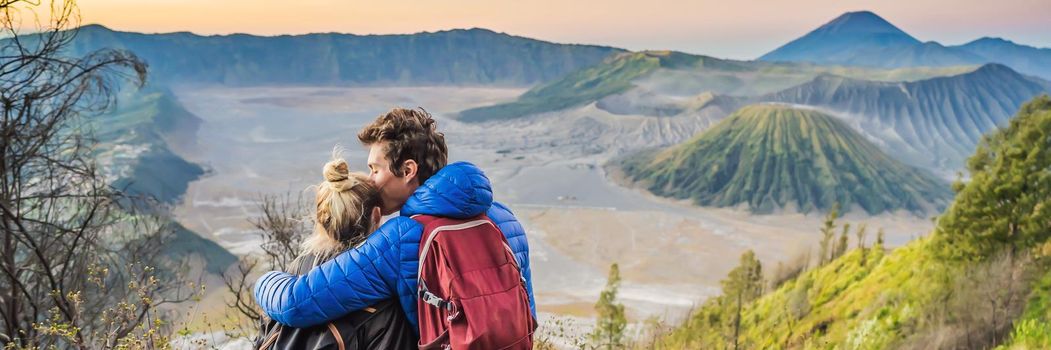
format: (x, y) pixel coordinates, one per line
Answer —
(932, 123)
(684, 74)
(457, 57)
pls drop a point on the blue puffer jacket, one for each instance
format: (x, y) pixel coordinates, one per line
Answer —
(385, 265)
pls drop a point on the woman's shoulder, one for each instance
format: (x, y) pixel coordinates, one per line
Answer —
(397, 230)
(306, 261)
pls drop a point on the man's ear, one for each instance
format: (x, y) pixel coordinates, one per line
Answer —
(409, 169)
(377, 215)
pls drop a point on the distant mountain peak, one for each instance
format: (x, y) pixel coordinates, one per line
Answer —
(482, 30)
(865, 39)
(840, 38)
(472, 30)
(95, 26)
(992, 40)
(997, 42)
(996, 69)
(861, 22)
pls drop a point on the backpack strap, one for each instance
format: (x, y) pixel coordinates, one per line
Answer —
(425, 294)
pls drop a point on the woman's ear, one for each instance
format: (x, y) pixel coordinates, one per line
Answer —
(376, 216)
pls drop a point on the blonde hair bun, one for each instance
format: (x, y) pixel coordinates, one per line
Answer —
(337, 174)
(345, 201)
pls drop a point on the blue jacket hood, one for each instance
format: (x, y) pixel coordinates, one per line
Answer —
(459, 190)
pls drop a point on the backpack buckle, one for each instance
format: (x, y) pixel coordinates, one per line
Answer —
(438, 302)
(432, 299)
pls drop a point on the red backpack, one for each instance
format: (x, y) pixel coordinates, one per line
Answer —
(471, 292)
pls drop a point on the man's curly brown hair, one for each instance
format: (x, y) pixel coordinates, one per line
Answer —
(409, 134)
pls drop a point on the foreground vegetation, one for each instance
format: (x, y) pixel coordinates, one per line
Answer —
(980, 280)
(81, 264)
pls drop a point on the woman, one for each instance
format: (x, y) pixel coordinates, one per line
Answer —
(348, 209)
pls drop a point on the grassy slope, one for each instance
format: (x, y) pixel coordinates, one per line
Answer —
(856, 302)
(868, 299)
(823, 306)
(586, 85)
(1033, 329)
(769, 157)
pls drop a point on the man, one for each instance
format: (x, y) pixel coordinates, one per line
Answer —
(407, 160)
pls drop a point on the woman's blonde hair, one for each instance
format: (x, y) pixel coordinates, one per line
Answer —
(344, 209)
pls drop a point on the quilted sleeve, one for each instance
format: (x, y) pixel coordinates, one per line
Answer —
(516, 238)
(349, 282)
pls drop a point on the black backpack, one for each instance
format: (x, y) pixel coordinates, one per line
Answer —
(382, 326)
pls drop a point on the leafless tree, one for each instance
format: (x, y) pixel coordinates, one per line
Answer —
(789, 270)
(79, 259)
(978, 305)
(282, 225)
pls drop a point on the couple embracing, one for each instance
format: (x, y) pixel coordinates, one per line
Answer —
(451, 270)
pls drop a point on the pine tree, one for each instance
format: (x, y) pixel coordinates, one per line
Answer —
(844, 241)
(860, 233)
(828, 231)
(743, 285)
(611, 322)
(878, 248)
(1006, 204)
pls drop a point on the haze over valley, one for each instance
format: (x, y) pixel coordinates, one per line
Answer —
(670, 164)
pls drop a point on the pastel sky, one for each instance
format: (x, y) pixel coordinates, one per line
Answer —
(741, 29)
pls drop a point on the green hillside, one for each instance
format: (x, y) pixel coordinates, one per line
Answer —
(134, 148)
(611, 77)
(769, 157)
(980, 280)
(135, 140)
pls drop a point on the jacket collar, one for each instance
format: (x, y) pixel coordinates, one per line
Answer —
(459, 190)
